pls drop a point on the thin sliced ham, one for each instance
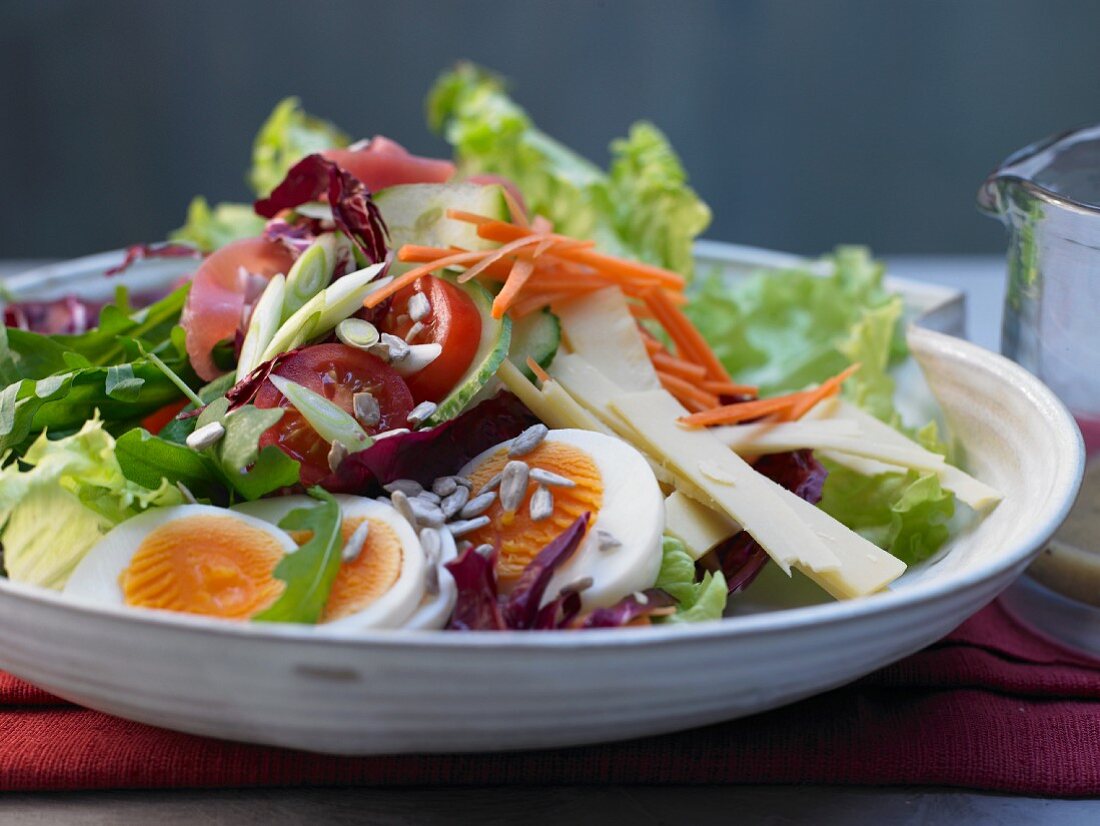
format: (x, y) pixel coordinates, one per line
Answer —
(382, 163)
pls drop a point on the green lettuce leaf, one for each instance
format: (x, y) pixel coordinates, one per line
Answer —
(698, 599)
(905, 514)
(287, 136)
(642, 208)
(241, 463)
(61, 497)
(310, 571)
(210, 229)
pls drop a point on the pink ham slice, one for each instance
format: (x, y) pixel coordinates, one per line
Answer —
(221, 286)
(384, 163)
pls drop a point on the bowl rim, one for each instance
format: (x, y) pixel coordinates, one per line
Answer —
(1027, 542)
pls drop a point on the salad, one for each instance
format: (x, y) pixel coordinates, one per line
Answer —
(485, 393)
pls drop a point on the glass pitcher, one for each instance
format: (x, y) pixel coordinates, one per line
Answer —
(1048, 197)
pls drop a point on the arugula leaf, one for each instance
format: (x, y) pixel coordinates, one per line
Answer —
(246, 468)
(309, 571)
(146, 459)
(122, 384)
(697, 600)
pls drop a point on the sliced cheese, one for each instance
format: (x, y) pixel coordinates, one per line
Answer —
(976, 494)
(699, 527)
(555, 407)
(600, 328)
(736, 489)
(841, 435)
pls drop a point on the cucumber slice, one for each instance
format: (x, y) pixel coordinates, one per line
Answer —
(536, 335)
(416, 213)
(496, 336)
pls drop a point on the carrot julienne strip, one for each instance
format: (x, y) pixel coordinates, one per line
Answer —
(536, 368)
(509, 293)
(829, 387)
(684, 369)
(739, 412)
(728, 388)
(402, 281)
(690, 343)
(682, 389)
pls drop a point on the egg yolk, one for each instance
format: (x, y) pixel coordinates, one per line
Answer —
(368, 576)
(216, 566)
(520, 537)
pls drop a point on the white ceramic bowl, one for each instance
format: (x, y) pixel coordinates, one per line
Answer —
(435, 691)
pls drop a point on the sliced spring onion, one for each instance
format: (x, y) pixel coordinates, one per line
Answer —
(356, 332)
(262, 326)
(332, 422)
(311, 273)
(325, 310)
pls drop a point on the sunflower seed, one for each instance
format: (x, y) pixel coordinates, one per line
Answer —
(429, 496)
(577, 586)
(417, 357)
(336, 454)
(419, 306)
(366, 409)
(466, 526)
(431, 580)
(485, 550)
(478, 505)
(444, 485)
(548, 477)
(452, 504)
(606, 541)
(513, 485)
(354, 546)
(542, 504)
(431, 542)
(398, 347)
(640, 598)
(408, 487)
(419, 414)
(380, 350)
(188, 496)
(386, 434)
(462, 480)
(426, 513)
(206, 436)
(528, 440)
(415, 330)
(401, 504)
(492, 484)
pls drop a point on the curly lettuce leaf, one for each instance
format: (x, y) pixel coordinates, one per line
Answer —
(209, 228)
(697, 600)
(641, 208)
(74, 486)
(906, 514)
(287, 136)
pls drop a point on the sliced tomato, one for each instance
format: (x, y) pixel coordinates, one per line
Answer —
(384, 163)
(219, 289)
(155, 422)
(336, 372)
(452, 321)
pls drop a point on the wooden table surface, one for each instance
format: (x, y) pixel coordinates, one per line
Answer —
(980, 278)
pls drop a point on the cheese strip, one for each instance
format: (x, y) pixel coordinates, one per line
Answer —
(978, 495)
(599, 327)
(700, 528)
(736, 489)
(841, 435)
(555, 407)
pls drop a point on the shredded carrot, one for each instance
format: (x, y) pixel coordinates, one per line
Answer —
(509, 293)
(536, 368)
(469, 217)
(728, 388)
(682, 389)
(684, 369)
(829, 387)
(515, 208)
(652, 345)
(690, 344)
(641, 311)
(402, 281)
(492, 256)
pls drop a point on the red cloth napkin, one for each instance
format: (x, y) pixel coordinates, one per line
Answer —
(992, 706)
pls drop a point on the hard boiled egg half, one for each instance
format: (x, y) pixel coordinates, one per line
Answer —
(204, 560)
(611, 481)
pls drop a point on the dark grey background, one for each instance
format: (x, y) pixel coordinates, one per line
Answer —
(803, 123)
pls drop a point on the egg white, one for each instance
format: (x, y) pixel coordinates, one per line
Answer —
(96, 577)
(435, 609)
(393, 608)
(632, 511)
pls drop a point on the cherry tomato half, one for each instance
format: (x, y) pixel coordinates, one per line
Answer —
(336, 372)
(452, 321)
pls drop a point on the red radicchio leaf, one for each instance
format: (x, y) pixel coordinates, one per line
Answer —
(297, 238)
(245, 390)
(140, 252)
(477, 607)
(628, 609)
(68, 315)
(798, 471)
(559, 612)
(425, 455)
(353, 209)
(522, 608)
